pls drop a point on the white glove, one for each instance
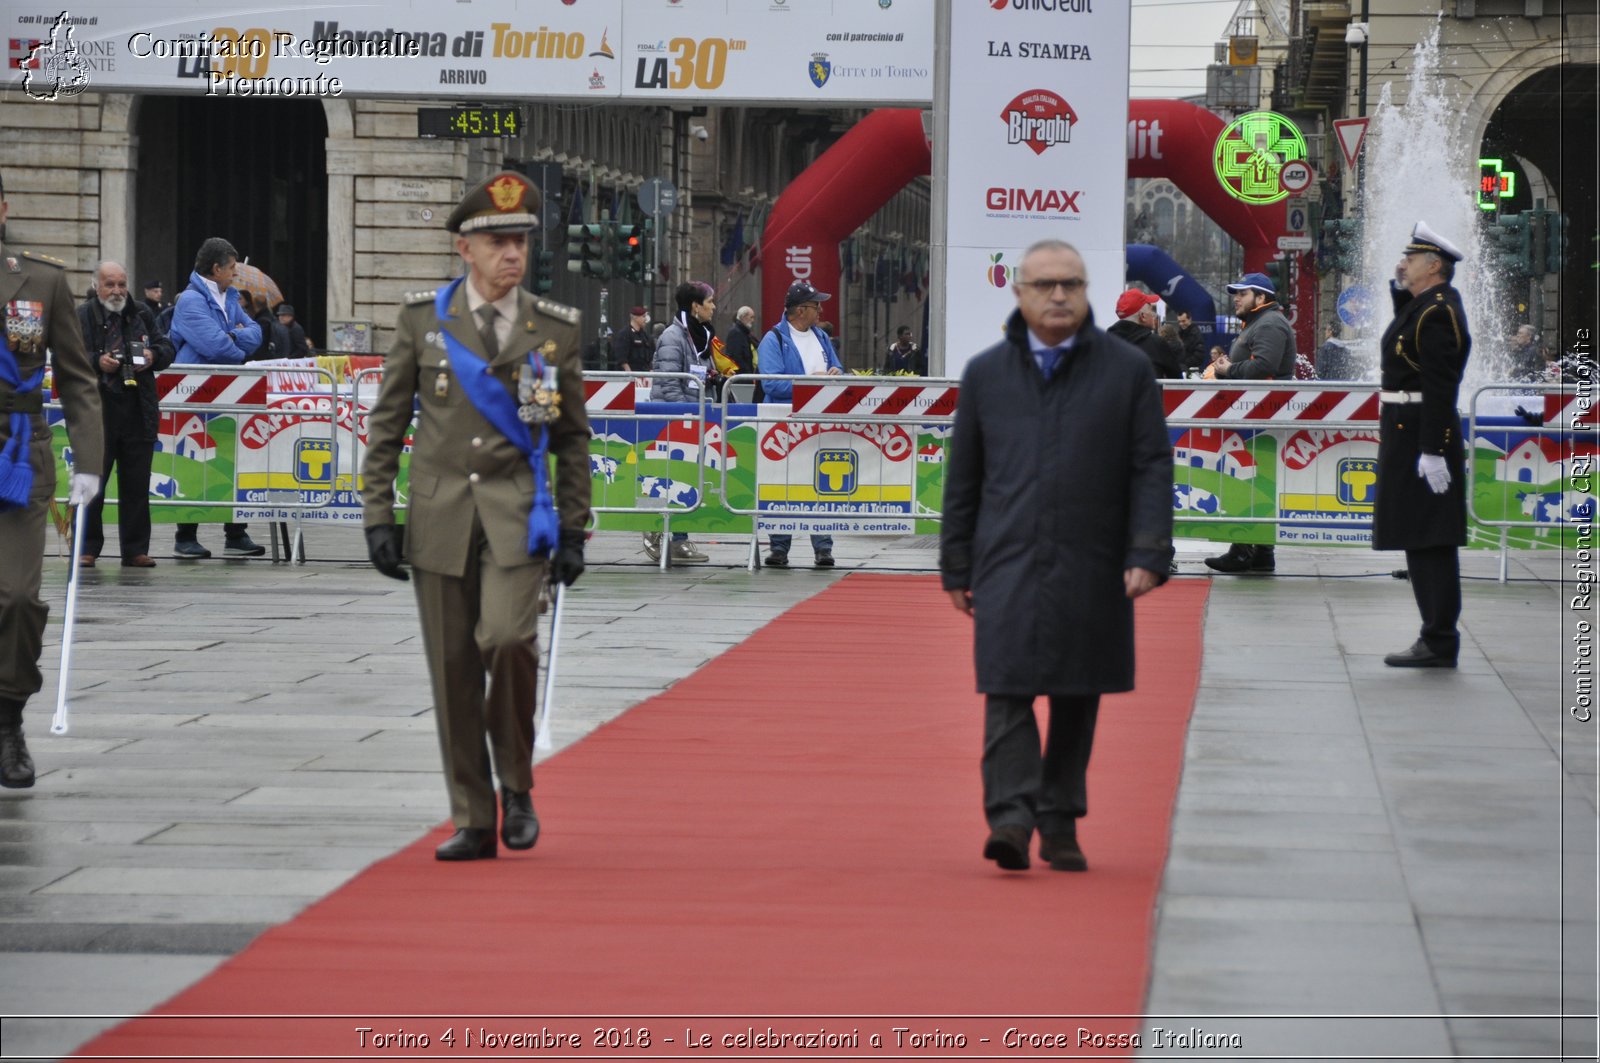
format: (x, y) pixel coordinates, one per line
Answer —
(1431, 467)
(85, 485)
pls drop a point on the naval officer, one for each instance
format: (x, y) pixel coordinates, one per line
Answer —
(496, 378)
(39, 316)
(1421, 502)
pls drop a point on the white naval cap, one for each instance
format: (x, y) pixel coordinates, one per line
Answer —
(1425, 239)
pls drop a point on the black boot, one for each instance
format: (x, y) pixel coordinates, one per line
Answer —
(16, 766)
(1263, 559)
(1238, 559)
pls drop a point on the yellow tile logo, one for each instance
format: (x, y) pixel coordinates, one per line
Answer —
(313, 461)
(1356, 477)
(835, 472)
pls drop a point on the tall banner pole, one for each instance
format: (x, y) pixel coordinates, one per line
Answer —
(939, 230)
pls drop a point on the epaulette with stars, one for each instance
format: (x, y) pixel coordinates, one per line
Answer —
(413, 298)
(48, 260)
(560, 311)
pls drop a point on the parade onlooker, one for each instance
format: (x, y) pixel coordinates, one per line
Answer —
(685, 347)
(740, 346)
(1194, 343)
(632, 348)
(904, 355)
(1136, 325)
(795, 347)
(294, 335)
(28, 464)
(1523, 361)
(1333, 357)
(209, 326)
(121, 337)
(479, 358)
(1168, 333)
(1052, 599)
(1421, 501)
(274, 340)
(1263, 350)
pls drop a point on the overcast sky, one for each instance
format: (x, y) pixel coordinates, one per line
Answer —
(1173, 41)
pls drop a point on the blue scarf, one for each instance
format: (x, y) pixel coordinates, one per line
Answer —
(16, 466)
(500, 409)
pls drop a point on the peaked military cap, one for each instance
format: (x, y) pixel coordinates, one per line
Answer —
(506, 202)
(1425, 239)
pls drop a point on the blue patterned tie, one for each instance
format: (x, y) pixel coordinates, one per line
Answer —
(1049, 359)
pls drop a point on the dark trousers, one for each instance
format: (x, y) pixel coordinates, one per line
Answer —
(188, 533)
(821, 544)
(1436, 582)
(1021, 787)
(131, 455)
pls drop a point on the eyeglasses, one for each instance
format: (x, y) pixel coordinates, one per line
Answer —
(1071, 285)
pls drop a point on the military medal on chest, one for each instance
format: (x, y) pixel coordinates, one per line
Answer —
(538, 398)
(25, 326)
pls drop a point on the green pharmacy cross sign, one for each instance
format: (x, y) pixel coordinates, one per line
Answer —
(1251, 153)
(1494, 183)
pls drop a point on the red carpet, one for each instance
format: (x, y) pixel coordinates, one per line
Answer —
(794, 830)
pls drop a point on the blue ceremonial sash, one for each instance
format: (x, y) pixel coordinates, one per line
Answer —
(500, 409)
(16, 465)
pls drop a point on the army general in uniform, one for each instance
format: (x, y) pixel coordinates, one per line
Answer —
(495, 375)
(39, 315)
(1421, 502)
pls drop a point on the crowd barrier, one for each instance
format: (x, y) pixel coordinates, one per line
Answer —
(1282, 463)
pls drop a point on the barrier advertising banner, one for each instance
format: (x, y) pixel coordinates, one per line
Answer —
(502, 50)
(1039, 110)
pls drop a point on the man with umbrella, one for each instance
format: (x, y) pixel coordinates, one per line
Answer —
(497, 374)
(209, 327)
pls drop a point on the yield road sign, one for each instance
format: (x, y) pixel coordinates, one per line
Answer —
(1352, 132)
(1295, 177)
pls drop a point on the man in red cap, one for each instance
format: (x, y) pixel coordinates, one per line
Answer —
(1137, 322)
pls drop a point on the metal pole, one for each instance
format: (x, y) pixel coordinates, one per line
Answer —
(1361, 89)
(939, 194)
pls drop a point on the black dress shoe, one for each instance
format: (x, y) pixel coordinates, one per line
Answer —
(1237, 559)
(519, 827)
(1060, 850)
(16, 766)
(825, 559)
(468, 843)
(777, 560)
(1263, 559)
(1419, 656)
(1008, 847)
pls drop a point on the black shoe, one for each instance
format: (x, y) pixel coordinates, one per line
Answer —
(1263, 558)
(824, 559)
(519, 827)
(1060, 850)
(16, 766)
(190, 549)
(468, 843)
(243, 546)
(777, 560)
(1008, 847)
(1238, 559)
(1419, 656)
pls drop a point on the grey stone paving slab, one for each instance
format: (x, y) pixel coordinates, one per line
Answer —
(188, 881)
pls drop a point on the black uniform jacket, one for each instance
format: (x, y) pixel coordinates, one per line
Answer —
(1424, 350)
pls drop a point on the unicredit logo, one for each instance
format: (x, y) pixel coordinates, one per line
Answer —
(1038, 118)
(1065, 7)
(1032, 200)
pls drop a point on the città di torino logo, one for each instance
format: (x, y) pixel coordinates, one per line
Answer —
(1040, 119)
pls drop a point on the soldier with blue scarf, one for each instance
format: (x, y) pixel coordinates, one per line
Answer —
(39, 316)
(495, 378)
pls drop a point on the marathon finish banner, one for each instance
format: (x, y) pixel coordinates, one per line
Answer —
(1039, 92)
(861, 52)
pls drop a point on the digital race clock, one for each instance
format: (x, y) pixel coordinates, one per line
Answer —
(468, 121)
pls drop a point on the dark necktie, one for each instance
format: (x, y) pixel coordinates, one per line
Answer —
(491, 342)
(1049, 359)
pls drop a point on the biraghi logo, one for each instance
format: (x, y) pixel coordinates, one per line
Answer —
(1040, 119)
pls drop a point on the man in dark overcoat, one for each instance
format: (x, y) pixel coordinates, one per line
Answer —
(1057, 514)
(495, 375)
(1421, 501)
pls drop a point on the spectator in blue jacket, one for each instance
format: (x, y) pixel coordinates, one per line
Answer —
(793, 346)
(209, 327)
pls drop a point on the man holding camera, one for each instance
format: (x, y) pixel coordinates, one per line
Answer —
(128, 348)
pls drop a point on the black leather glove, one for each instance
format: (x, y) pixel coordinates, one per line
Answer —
(567, 565)
(383, 547)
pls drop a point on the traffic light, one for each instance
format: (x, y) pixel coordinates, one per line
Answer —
(630, 252)
(1341, 245)
(1511, 239)
(587, 250)
(1277, 272)
(544, 264)
(1555, 244)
